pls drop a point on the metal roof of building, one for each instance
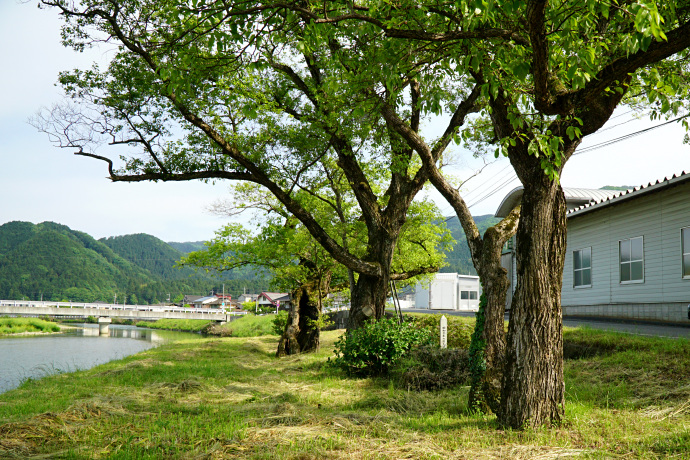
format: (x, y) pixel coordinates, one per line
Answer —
(582, 200)
(207, 299)
(276, 296)
(635, 192)
(574, 197)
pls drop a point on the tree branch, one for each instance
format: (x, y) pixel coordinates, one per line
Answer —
(412, 273)
(540, 53)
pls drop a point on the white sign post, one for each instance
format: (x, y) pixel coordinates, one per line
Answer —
(443, 332)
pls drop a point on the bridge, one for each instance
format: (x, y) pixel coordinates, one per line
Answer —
(105, 312)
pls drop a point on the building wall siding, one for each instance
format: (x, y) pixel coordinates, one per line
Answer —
(658, 218)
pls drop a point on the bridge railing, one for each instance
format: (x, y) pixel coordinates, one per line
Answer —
(152, 308)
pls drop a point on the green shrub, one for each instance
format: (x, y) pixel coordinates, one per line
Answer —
(373, 348)
(459, 328)
(279, 322)
(217, 330)
(432, 368)
(19, 325)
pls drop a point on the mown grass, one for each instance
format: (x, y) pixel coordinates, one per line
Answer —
(21, 325)
(627, 397)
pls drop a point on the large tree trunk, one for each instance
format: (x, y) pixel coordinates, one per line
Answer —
(302, 331)
(368, 301)
(487, 356)
(533, 387)
(488, 348)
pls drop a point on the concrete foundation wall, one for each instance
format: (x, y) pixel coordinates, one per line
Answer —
(668, 312)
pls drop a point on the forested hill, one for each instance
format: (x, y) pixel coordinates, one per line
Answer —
(150, 253)
(54, 262)
(57, 262)
(459, 259)
(188, 246)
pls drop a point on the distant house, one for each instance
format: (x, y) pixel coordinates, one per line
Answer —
(449, 291)
(628, 253)
(225, 301)
(242, 298)
(189, 299)
(207, 302)
(279, 300)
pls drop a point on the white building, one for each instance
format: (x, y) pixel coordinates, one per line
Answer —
(449, 291)
(628, 254)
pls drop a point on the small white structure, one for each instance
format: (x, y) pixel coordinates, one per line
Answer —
(449, 291)
(443, 332)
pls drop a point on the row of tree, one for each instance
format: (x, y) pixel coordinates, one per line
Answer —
(326, 105)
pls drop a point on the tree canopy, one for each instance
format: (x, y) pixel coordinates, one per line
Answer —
(210, 90)
(270, 92)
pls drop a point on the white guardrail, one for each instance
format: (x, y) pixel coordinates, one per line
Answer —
(106, 306)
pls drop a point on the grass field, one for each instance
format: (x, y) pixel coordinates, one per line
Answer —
(22, 325)
(244, 326)
(189, 325)
(627, 397)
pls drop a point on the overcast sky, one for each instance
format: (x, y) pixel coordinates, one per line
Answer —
(43, 183)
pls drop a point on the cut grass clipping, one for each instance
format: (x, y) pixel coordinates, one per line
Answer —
(627, 397)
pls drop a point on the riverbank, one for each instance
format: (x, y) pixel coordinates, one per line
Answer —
(27, 326)
(186, 325)
(243, 326)
(627, 397)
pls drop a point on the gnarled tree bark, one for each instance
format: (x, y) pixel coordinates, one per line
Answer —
(533, 389)
(302, 331)
(485, 390)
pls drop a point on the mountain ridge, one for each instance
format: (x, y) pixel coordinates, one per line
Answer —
(53, 262)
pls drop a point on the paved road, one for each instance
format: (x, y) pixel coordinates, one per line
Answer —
(641, 328)
(638, 327)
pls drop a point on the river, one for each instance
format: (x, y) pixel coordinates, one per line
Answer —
(35, 356)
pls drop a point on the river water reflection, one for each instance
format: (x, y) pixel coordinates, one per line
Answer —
(35, 356)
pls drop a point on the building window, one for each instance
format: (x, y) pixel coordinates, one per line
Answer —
(582, 267)
(631, 253)
(685, 251)
(468, 295)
